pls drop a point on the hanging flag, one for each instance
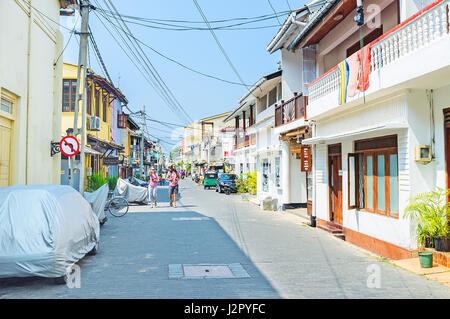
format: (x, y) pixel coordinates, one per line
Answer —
(344, 71)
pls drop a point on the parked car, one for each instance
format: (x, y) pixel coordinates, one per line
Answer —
(44, 231)
(226, 183)
(210, 179)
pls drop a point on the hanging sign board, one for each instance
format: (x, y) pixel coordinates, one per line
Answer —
(111, 161)
(69, 146)
(306, 159)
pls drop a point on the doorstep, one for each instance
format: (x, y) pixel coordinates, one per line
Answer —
(437, 273)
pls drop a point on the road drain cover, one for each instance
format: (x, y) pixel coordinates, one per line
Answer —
(203, 271)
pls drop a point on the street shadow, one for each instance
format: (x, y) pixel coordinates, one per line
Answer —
(134, 258)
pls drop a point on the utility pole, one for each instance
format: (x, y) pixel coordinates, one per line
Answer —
(142, 142)
(81, 87)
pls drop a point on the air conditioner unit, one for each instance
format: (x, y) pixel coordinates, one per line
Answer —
(423, 153)
(93, 123)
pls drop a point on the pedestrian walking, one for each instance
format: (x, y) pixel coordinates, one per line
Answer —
(152, 187)
(173, 176)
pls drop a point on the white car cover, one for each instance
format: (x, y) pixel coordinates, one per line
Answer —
(98, 201)
(133, 194)
(44, 229)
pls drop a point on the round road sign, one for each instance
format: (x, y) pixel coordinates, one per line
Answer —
(69, 146)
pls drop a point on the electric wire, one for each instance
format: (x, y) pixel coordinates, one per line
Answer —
(181, 64)
(159, 82)
(273, 9)
(219, 44)
(134, 61)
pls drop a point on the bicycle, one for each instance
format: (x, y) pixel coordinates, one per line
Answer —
(117, 205)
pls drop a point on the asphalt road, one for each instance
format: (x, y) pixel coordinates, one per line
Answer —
(282, 257)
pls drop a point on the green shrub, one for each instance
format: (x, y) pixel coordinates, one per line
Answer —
(246, 183)
(432, 212)
(251, 182)
(96, 181)
(112, 182)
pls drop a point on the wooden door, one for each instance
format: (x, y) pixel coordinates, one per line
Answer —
(447, 157)
(447, 147)
(335, 183)
(5, 151)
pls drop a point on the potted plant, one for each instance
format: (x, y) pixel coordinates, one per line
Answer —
(431, 212)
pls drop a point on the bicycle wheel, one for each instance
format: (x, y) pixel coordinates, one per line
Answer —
(118, 206)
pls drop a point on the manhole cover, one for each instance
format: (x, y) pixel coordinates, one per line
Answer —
(189, 218)
(203, 271)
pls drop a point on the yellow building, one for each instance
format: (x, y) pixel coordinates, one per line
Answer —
(99, 111)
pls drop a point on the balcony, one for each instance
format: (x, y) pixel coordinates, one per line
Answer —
(407, 56)
(245, 141)
(290, 110)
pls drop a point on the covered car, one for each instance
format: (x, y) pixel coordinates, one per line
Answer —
(137, 182)
(44, 230)
(98, 200)
(132, 193)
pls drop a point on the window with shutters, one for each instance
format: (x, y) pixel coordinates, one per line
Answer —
(373, 176)
(69, 95)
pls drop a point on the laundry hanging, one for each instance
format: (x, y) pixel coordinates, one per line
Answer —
(354, 74)
(365, 57)
(344, 72)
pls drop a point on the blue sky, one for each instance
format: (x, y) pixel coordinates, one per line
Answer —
(199, 96)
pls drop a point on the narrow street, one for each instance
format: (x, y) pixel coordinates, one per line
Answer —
(282, 257)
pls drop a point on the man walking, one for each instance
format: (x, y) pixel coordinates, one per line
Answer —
(173, 177)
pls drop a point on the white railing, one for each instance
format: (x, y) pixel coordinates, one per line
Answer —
(426, 28)
(325, 85)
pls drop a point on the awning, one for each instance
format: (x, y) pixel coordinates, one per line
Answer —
(89, 150)
(378, 128)
(99, 144)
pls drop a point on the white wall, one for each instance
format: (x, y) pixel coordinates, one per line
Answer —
(44, 112)
(292, 73)
(410, 7)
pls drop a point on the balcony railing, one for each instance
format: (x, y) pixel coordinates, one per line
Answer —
(245, 141)
(426, 26)
(290, 110)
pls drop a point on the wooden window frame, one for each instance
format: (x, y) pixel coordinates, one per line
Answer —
(374, 152)
(356, 181)
(105, 107)
(97, 102)
(72, 82)
(89, 99)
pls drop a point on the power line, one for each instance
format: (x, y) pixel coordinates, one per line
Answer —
(142, 66)
(270, 3)
(196, 22)
(68, 41)
(177, 27)
(174, 104)
(179, 63)
(218, 43)
(46, 16)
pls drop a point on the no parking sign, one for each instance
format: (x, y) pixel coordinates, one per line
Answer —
(69, 146)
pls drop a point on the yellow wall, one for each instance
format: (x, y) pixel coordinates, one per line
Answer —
(70, 72)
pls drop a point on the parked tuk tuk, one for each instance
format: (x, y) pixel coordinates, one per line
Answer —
(210, 179)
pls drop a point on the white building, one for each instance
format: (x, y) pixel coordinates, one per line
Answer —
(31, 90)
(244, 143)
(365, 165)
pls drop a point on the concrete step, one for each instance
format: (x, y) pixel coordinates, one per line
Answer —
(330, 229)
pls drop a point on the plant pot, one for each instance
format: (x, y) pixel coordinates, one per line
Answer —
(442, 243)
(426, 259)
(429, 242)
